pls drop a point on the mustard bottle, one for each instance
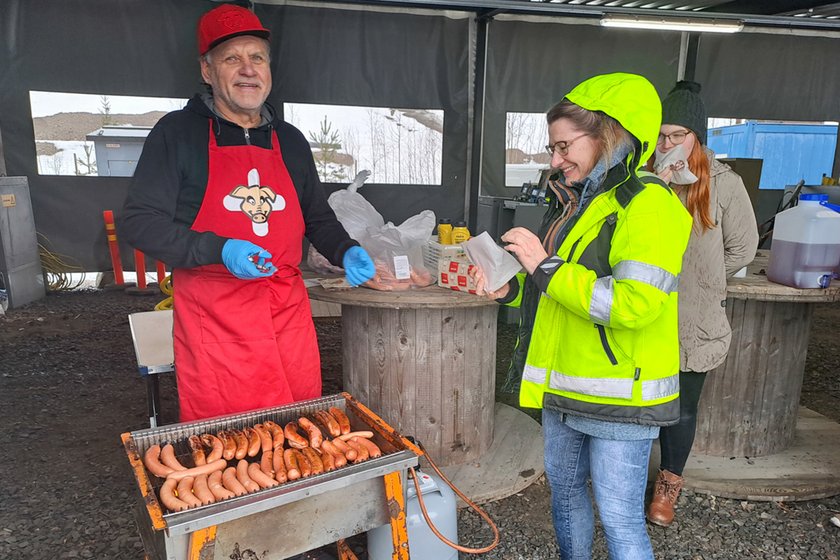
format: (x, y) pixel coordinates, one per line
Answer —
(445, 231)
(460, 233)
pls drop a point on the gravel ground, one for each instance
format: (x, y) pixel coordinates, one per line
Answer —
(69, 387)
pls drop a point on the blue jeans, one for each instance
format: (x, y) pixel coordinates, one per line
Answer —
(618, 470)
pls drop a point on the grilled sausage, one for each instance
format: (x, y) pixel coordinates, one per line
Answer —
(279, 466)
(341, 418)
(267, 462)
(167, 457)
(276, 432)
(217, 448)
(214, 481)
(294, 438)
(262, 479)
(338, 457)
(197, 449)
(201, 489)
(315, 462)
(372, 449)
(265, 437)
(303, 464)
(254, 441)
(363, 454)
(348, 451)
(185, 491)
(232, 483)
(315, 435)
(152, 461)
(330, 422)
(216, 465)
(243, 478)
(290, 460)
(328, 459)
(168, 498)
(364, 434)
(241, 443)
(230, 444)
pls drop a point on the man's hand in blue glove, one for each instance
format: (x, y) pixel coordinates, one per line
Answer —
(245, 260)
(358, 268)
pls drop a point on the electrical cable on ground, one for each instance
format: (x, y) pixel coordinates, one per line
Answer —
(57, 271)
(469, 502)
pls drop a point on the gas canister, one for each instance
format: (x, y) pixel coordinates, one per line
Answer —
(440, 503)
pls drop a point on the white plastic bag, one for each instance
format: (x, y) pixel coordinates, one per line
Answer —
(397, 253)
(354, 212)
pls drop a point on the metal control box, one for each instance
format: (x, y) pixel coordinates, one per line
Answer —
(21, 275)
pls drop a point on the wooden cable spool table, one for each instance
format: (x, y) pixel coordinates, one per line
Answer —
(750, 403)
(425, 360)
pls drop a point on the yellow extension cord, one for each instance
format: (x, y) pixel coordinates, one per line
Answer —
(166, 288)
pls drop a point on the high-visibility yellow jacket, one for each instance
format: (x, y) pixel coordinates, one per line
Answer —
(605, 341)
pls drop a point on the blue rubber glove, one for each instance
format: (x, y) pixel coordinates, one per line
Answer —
(245, 260)
(358, 268)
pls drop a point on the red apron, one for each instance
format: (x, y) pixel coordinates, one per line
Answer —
(246, 344)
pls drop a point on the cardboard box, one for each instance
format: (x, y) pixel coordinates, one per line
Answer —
(454, 274)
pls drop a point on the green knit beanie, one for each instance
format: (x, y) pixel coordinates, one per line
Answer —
(683, 106)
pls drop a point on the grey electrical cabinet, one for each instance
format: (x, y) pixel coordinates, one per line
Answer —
(21, 275)
(118, 148)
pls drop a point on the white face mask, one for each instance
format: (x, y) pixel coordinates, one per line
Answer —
(676, 160)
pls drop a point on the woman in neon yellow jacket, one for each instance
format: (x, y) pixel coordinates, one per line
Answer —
(603, 357)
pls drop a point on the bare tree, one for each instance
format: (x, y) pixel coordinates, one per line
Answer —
(86, 165)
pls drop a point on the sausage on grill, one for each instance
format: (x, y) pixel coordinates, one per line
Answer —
(293, 436)
(152, 461)
(168, 498)
(341, 418)
(167, 457)
(315, 435)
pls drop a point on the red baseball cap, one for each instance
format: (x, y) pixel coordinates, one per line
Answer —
(225, 22)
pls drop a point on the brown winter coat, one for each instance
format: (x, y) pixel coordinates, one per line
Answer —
(713, 256)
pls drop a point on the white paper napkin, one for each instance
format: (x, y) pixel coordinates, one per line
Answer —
(676, 160)
(498, 265)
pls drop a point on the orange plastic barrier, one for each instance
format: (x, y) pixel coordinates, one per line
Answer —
(161, 273)
(140, 269)
(111, 234)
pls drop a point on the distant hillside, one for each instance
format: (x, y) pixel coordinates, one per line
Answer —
(75, 126)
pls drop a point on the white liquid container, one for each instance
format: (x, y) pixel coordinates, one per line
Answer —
(806, 244)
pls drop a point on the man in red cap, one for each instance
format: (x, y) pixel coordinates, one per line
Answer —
(224, 193)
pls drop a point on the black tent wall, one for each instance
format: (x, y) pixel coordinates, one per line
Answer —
(148, 48)
(532, 65)
(344, 54)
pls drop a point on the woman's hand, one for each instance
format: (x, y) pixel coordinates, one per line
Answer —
(478, 278)
(666, 174)
(526, 246)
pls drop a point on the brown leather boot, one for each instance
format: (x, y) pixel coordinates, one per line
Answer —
(665, 493)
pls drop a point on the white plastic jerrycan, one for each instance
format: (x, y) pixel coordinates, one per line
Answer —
(806, 243)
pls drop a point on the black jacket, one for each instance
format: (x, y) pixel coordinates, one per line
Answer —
(171, 176)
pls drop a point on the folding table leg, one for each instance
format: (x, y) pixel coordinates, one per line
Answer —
(153, 398)
(396, 511)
